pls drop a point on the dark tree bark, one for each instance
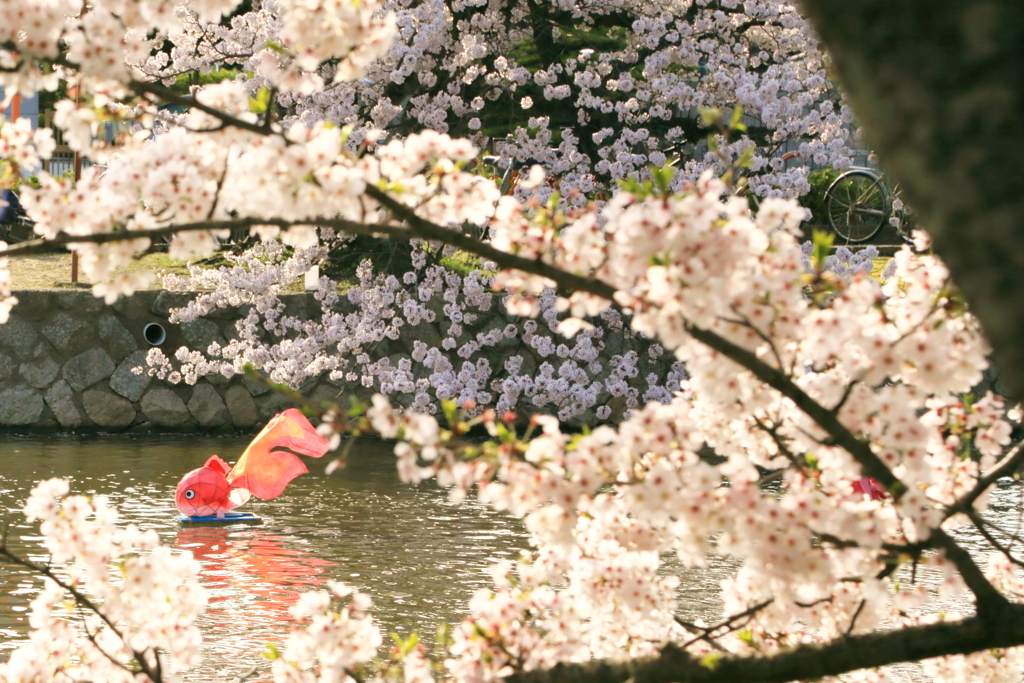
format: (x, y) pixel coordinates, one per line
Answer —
(938, 86)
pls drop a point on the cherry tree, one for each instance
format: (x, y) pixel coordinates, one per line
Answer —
(819, 380)
(597, 91)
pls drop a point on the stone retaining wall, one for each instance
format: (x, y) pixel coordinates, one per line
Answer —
(66, 365)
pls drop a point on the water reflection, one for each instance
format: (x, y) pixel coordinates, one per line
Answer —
(418, 556)
(254, 562)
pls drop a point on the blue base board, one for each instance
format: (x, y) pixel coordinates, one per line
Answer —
(228, 518)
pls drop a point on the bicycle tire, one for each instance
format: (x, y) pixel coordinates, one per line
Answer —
(19, 230)
(857, 205)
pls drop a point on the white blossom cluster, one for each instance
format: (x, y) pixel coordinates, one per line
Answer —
(331, 640)
(147, 598)
(891, 361)
(437, 335)
(845, 263)
(636, 104)
(122, 597)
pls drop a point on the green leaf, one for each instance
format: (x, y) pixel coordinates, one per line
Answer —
(505, 435)
(358, 408)
(737, 117)
(710, 660)
(451, 411)
(259, 104)
(406, 646)
(822, 246)
(271, 652)
(746, 158)
(275, 46)
(709, 116)
(444, 635)
(663, 178)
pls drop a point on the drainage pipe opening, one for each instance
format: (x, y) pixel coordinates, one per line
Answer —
(154, 334)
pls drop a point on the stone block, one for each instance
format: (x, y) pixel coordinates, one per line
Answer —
(40, 373)
(118, 340)
(241, 407)
(133, 307)
(7, 368)
(20, 406)
(162, 406)
(68, 335)
(200, 333)
(326, 392)
(127, 383)
(208, 407)
(253, 387)
(424, 332)
(59, 398)
(216, 380)
(271, 405)
(614, 343)
(87, 368)
(107, 409)
(19, 336)
(35, 304)
(80, 302)
(165, 301)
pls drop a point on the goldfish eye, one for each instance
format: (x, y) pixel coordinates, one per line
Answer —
(190, 494)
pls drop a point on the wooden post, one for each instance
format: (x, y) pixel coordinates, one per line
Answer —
(16, 108)
(74, 254)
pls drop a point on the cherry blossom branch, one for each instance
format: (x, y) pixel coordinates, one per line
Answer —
(981, 525)
(853, 619)
(418, 227)
(80, 598)
(728, 624)
(839, 435)
(823, 417)
(164, 93)
(806, 662)
(1006, 467)
(425, 229)
(988, 596)
(43, 245)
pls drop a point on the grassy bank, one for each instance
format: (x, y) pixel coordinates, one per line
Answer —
(53, 271)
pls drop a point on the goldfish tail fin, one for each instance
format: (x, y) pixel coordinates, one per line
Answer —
(265, 471)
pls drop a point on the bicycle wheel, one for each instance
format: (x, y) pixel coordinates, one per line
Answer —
(19, 230)
(857, 205)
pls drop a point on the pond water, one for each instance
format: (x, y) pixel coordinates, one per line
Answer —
(418, 555)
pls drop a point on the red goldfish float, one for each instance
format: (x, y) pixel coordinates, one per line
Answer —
(262, 471)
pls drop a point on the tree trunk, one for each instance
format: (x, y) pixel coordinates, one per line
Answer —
(938, 86)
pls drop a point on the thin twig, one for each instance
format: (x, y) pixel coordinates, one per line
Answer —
(728, 623)
(84, 601)
(856, 613)
(980, 524)
(244, 676)
(1004, 468)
